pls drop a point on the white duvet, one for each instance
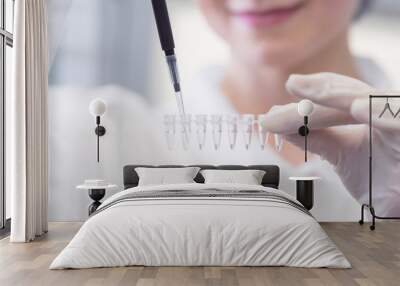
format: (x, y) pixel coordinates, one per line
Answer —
(200, 231)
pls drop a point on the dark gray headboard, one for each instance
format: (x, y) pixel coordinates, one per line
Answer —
(271, 177)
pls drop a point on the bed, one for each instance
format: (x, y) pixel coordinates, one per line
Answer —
(201, 224)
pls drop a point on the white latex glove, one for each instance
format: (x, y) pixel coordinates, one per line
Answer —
(339, 134)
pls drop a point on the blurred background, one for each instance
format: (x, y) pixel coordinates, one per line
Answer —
(101, 42)
(110, 49)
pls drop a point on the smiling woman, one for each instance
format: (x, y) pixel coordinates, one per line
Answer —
(268, 31)
(266, 17)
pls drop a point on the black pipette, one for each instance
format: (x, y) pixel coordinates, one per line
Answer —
(167, 44)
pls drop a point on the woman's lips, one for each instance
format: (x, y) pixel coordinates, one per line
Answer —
(267, 18)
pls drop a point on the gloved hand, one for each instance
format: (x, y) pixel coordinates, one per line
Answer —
(339, 134)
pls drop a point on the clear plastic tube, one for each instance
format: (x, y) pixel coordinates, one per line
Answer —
(216, 123)
(263, 134)
(278, 143)
(201, 129)
(247, 122)
(170, 130)
(232, 126)
(186, 130)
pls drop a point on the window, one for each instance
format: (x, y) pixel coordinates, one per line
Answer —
(6, 44)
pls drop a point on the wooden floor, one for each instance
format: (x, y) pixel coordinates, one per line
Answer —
(375, 257)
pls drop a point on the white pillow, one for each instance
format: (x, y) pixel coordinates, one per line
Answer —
(165, 176)
(248, 177)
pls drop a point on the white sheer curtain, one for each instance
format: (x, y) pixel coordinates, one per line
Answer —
(27, 122)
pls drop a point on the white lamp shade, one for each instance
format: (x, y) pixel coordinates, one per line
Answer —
(305, 107)
(97, 107)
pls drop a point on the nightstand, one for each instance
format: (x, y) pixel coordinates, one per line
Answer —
(305, 190)
(96, 193)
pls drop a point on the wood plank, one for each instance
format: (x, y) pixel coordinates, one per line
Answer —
(375, 257)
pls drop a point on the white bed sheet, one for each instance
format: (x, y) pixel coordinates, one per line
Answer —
(200, 232)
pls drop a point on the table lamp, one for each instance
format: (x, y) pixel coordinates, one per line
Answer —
(305, 108)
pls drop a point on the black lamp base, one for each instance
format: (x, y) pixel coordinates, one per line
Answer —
(303, 130)
(100, 130)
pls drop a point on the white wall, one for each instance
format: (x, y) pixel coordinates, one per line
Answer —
(72, 141)
(94, 45)
(98, 42)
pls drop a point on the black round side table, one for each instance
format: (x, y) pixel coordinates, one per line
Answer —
(305, 190)
(96, 193)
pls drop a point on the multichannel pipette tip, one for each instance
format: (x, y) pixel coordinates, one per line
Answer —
(179, 102)
(167, 44)
(182, 114)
